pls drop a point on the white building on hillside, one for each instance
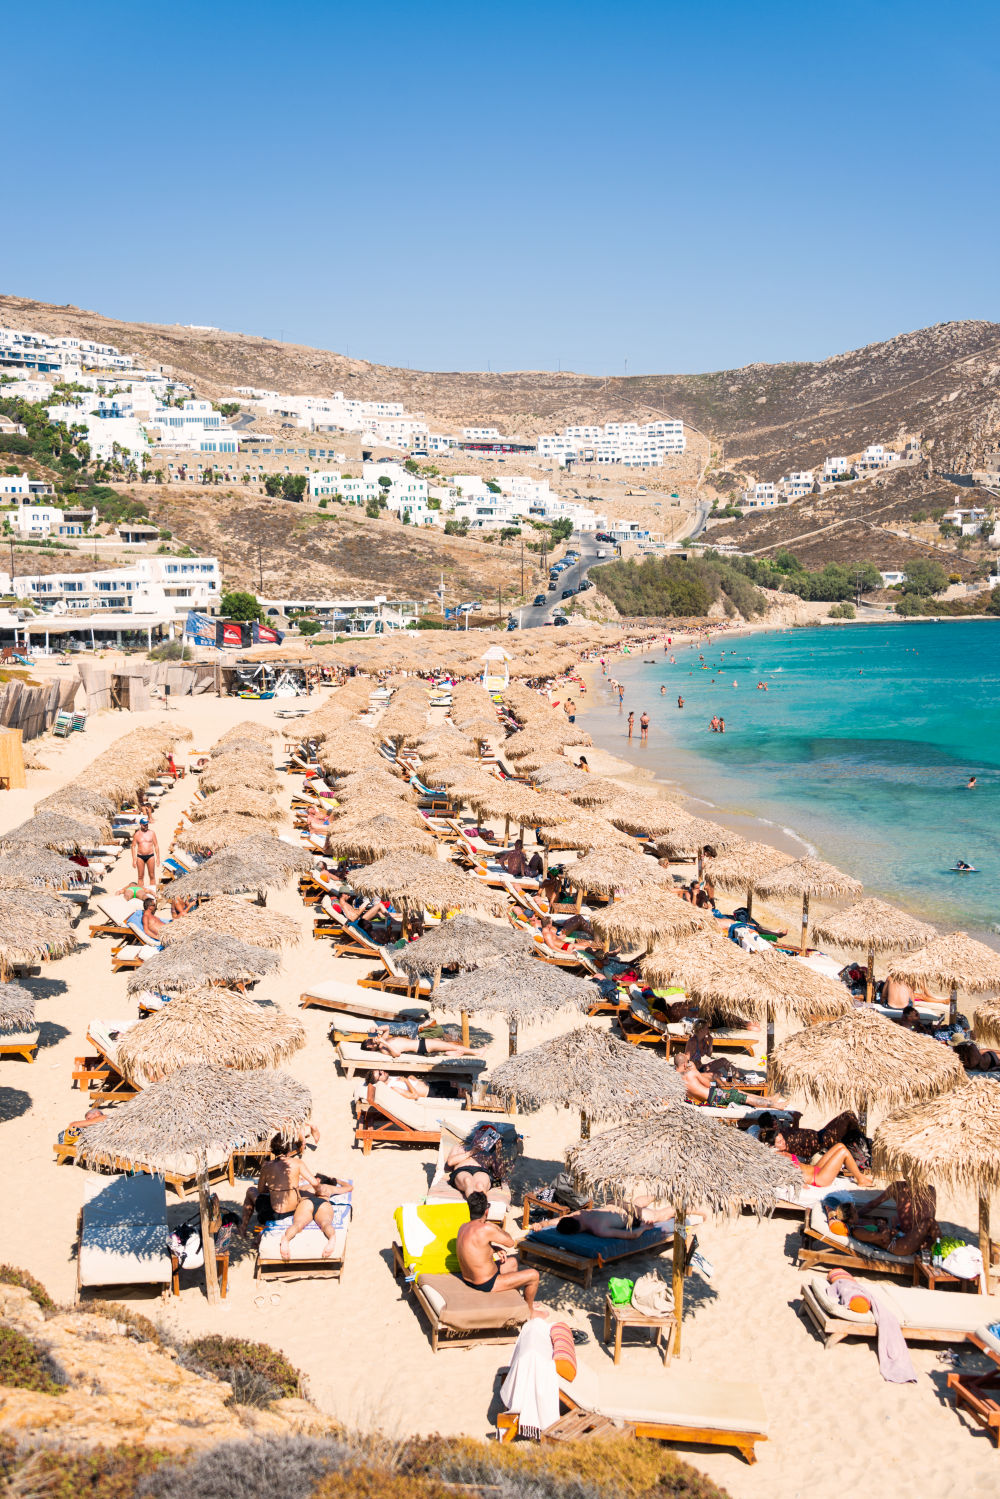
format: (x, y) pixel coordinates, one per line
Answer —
(760, 496)
(195, 427)
(37, 522)
(627, 443)
(151, 586)
(875, 457)
(404, 493)
(835, 468)
(793, 486)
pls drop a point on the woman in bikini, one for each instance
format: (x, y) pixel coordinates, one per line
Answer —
(829, 1166)
(279, 1191)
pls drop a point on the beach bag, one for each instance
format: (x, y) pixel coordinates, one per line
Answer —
(620, 1290)
(563, 1351)
(565, 1194)
(652, 1296)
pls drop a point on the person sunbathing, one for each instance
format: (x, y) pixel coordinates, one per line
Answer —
(829, 1166)
(478, 1164)
(974, 1060)
(282, 1188)
(517, 865)
(151, 923)
(556, 939)
(603, 1223)
(844, 1129)
(700, 1048)
(482, 1247)
(409, 1087)
(132, 891)
(72, 1130)
(911, 1226)
(397, 1046)
(703, 1087)
(897, 994)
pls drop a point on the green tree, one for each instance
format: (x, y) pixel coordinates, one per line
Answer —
(229, 408)
(272, 485)
(323, 501)
(373, 509)
(411, 466)
(241, 605)
(293, 486)
(493, 486)
(457, 527)
(562, 529)
(924, 576)
(406, 517)
(910, 604)
(309, 627)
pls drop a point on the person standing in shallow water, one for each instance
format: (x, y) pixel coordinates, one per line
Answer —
(631, 724)
(644, 728)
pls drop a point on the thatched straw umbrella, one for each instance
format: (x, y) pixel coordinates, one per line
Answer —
(522, 989)
(238, 772)
(221, 832)
(873, 926)
(234, 917)
(761, 986)
(862, 1061)
(73, 799)
(584, 831)
(17, 1009)
(277, 857)
(415, 883)
(953, 1141)
(30, 905)
(27, 868)
(403, 724)
(197, 1111)
(205, 958)
(808, 877)
(373, 783)
(363, 808)
(986, 1023)
(517, 804)
(610, 871)
(64, 835)
(464, 942)
(234, 799)
(648, 914)
(955, 961)
(350, 750)
(23, 944)
(231, 1029)
(370, 838)
(590, 1070)
(247, 728)
(226, 874)
(650, 817)
(744, 866)
(678, 1156)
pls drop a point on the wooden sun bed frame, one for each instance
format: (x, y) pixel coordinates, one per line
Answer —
(580, 1267)
(831, 1256)
(184, 1186)
(20, 1044)
(834, 1330)
(317, 1269)
(101, 1077)
(979, 1394)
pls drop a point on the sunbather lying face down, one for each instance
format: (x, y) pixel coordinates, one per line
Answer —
(397, 1046)
(603, 1223)
(482, 1247)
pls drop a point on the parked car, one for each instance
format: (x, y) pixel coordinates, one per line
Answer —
(585, 585)
(560, 619)
(538, 600)
(568, 593)
(601, 552)
(552, 584)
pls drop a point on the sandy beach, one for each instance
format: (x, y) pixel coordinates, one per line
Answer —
(834, 1423)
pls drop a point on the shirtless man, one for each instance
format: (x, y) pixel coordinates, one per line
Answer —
(700, 1084)
(603, 1223)
(279, 1191)
(151, 923)
(479, 1267)
(898, 994)
(145, 852)
(644, 728)
(397, 1046)
(517, 865)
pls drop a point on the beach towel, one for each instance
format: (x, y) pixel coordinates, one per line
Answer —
(416, 1235)
(531, 1389)
(894, 1362)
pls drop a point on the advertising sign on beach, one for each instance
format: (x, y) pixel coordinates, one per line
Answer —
(200, 628)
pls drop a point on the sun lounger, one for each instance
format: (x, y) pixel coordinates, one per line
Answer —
(306, 1250)
(100, 1073)
(821, 1246)
(459, 1069)
(387, 1117)
(349, 939)
(361, 1004)
(675, 1407)
(924, 1316)
(549, 1250)
(453, 1131)
(394, 978)
(20, 1043)
(458, 1315)
(115, 911)
(642, 1026)
(979, 1394)
(123, 1233)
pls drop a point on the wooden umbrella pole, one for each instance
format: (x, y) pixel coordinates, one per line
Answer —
(953, 1005)
(680, 1255)
(506, 830)
(984, 1238)
(512, 1037)
(870, 982)
(465, 1027)
(805, 920)
(584, 1125)
(207, 1237)
(749, 901)
(770, 1031)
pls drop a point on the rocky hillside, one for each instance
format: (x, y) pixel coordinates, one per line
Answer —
(943, 382)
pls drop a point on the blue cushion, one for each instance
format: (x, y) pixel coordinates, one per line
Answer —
(590, 1247)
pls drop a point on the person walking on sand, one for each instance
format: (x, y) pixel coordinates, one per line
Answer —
(145, 852)
(644, 728)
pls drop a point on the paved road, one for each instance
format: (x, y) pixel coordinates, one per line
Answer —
(571, 577)
(701, 517)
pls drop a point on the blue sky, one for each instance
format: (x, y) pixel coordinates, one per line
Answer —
(682, 187)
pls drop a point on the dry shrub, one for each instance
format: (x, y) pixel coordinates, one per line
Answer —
(25, 1366)
(257, 1373)
(103, 1473)
(276, 1468)
(375, 1483)
(12, 1275)
(137, 1326)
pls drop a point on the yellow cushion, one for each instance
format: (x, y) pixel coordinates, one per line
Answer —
(443, 1220)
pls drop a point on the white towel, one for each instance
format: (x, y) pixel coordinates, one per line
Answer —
(416, 1235)
(531, 1389)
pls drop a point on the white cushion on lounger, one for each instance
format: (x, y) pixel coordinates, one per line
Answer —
(823, 1292)
(308, 1245)
(418, 1113)
(124, 1231)
(674, 1398)
(361, 1001)
(989, 1338)
(916, 1306)
(99, 1031)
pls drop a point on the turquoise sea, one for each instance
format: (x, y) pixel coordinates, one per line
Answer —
(861, 747)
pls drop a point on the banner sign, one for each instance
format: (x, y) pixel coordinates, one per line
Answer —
(267, 635)
(200, 628)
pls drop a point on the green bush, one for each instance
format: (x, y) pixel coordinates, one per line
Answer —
(309, 627)
(841, 611)
(170, 650)
(11, 1275)
(257, 1373)
(669, 587)
(25, 1366)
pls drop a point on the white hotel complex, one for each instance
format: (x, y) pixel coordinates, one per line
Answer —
(627, 443)
(159, 586)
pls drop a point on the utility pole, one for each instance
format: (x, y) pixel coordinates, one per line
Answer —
(12, 569)
(522, 567)
(260, 568)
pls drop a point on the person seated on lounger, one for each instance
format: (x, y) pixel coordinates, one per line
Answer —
(700, 1048)
(703, 1087)
(551, 889)
(151, 923)
(397, 1046)
(479, 1163)
(517, 865)
(409, 1087)
(603, 1223)
(911, 1226)
(897, 994)
(829, 1166)
(182, 905)
(481, 1247)
(282, 1188)
(71, 1132)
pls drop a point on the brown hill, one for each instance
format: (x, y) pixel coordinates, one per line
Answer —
(942, 381)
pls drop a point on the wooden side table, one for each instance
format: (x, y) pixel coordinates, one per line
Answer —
(933, 1276)
(624, 1315)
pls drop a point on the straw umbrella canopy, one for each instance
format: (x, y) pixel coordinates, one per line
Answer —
(25, 867)
(608, 871)
(235, 799)
(590, 1070)
(416, 882)
(221, 832)
(517, 804)
(403, 724)
(274, 856)
(595, 792)
(344, 752)
(73, 799)
(806, 877)
(873, 926)
(373, 783)
(583, 830)
(373, 838)
(247, 728)
(862, 1061)
(676, 1155)
(955, 961)
(24, 942)
(362, 808)
(650, 817)
(225, 874)
(240, 772)
(463, 942)
(197, 1111)
(17, 1009)
(949, 1141)
(647, 914)
(205, 958)
(743, 866)
(231, 1029)
(523, 990)
(65, 835)
(234, 917)
(29, 905)
(986, 1023)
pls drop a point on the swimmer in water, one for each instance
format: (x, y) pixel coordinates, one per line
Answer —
(680, 702)
(663, 691)
(970, 783)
